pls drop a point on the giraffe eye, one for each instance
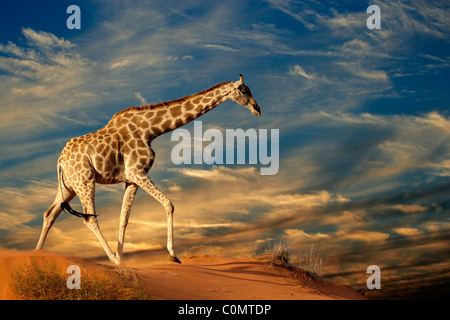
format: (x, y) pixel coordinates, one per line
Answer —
(242, 89)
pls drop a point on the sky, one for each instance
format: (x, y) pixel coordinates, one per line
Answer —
(362, 114)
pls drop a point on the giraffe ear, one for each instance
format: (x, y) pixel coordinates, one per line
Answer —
(241, 78)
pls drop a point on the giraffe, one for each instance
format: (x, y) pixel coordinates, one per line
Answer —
(121, 152)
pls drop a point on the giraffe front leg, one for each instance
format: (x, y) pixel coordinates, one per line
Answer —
(170, 247)
(146, 184)
(128, 197)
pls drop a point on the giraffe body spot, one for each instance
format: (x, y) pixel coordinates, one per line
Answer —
(166, 124)
(175, 111)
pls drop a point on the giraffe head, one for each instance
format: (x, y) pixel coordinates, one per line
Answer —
(242, 95)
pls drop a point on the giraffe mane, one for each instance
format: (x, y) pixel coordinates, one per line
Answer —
(166, 104)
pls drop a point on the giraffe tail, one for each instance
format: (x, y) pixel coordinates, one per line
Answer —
(65, 206)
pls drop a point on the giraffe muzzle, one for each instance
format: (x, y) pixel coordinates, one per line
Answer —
(256, 110)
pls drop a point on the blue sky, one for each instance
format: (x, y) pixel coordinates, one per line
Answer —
(363, 120)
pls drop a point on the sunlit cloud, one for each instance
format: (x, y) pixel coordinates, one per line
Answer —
(19, 203)
(220, 173)
(364, 236)
(408, 232)
(294, 235)
(407, 208)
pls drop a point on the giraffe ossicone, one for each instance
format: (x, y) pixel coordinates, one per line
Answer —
(121, 152)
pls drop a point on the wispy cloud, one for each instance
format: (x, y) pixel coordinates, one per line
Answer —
(389, 147)
(295, 235)
(408, 232)
(142, 100)
(357, 70)
(45, 75)
(298, 70)
(290, 8)
(220, 173)
(19, 203)
(364, 236)
(219, 47)
(408, 208)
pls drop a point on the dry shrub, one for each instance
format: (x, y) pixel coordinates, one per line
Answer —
(43, 280)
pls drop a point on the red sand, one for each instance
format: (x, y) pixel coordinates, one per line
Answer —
(201, 278)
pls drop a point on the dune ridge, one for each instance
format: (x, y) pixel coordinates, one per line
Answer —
(200, 278)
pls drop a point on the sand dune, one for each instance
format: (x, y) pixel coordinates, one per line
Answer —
(201, 278)
(11, 259)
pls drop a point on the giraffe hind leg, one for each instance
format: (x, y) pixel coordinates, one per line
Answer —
(53, 212)
(128, 197)
(86, 192)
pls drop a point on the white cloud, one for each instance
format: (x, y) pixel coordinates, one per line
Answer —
(119, 64)
(142, 100)
(298, 70)
(46, 40)
(408, 143)
(45, 74)
(424, 17)
(361, 49)
(219, 47)
(341, 21)
(218, 173)
(356, 69)
(171, 59)
(289, 8)
(175, 188)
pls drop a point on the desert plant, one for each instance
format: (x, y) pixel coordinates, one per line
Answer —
(278, 254)
(42, 280)
(282, 253)
(311, 261)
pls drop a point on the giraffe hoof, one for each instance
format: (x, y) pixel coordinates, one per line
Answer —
(174, 259)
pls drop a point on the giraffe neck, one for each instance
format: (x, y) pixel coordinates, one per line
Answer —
(155, 120)
(187, 109)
